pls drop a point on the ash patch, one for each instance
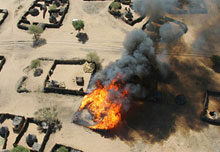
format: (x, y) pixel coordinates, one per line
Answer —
(94, 7)
(83, 118)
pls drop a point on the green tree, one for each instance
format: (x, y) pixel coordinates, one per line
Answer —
(115, 5)
(35, 64)
(78, 25)
(36, 30)
(20, 149)
(62, 149)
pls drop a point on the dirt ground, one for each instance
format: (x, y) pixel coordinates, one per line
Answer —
(68, 74)
(32, 129)
(151, 127)
(35, 84)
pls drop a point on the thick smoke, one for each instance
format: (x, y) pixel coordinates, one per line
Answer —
(163, 64)
(170, 31)
(134, 73)
(153, 7)
(134, 66)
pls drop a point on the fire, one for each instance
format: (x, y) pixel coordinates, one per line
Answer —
(105, 112)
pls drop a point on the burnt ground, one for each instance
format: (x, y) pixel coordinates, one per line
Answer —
(156, 122)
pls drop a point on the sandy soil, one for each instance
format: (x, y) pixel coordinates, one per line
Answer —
(154, 127)
(33, 83)
(32, 129)
(68, 74)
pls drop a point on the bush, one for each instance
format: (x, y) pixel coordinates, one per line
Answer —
(20, 149)
(35, 64)
(62, 149)
(93, 57)
(78, 25)
(52, 7)
(48, 115)
(115, 5)
(216, 60)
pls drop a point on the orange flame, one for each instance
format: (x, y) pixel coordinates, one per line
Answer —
(105, 112)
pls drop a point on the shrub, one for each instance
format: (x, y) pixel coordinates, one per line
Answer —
(93, 57)
(48, 115)
(62, 149)
(52, 7)
(35, 64)
(115, 5)
(36, 30)
(20, 149)
(78, 25)
(216, 60)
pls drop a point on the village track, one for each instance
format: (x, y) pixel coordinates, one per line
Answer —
(99, 45)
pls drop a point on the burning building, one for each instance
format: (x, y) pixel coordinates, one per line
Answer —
(119, 85)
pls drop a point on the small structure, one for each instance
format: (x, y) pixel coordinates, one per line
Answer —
(80, 81)
(4, 132)
(38, 72)
(31, 139)
(18, 123)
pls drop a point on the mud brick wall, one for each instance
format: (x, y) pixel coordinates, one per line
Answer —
(61, 90)
(4, 16)
(35, 4)
(3, 60)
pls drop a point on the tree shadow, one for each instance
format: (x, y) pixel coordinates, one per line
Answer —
(40, 42)
(82, 37)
